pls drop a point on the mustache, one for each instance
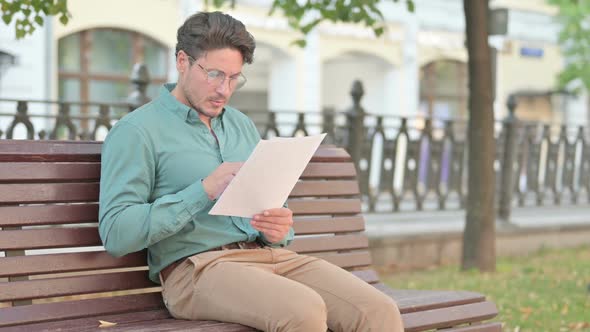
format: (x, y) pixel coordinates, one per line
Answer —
(217, 99)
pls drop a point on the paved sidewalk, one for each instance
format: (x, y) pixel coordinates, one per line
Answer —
(418, 240)
(429, 222)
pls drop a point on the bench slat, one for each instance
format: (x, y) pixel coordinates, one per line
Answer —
(411, 300)
(88, 151)
(48, 214)
(325, 188)
(445, 317)
(489, 327)
(49, 151)
(45, 312)
(325, 206)
(90, 171)
(49, 192)
(68, 262)
(101, 260)
(173, 325)
(330, 154)
(90, 323)
(88, 192)
(49, 238)
(318, 225)
(369, 276)
(436, 318)
(347, 260)
(11, 216)
(68, 237)
(43, 288)
(42, 172)
(329, 243)
(153, 320)
(315, 170)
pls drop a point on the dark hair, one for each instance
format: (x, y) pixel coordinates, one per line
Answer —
(205, 31)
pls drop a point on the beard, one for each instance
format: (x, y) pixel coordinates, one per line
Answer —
(193, 104)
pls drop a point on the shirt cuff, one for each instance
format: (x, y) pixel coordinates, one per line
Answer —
(281, 244)
(195, 198)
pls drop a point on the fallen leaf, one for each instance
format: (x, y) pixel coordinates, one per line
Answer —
(104, 324)
(579, 326)
(565, 309)
(526, 312)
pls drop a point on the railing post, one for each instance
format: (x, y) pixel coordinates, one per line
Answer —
(507, 174)
(356, 117)
(328, 125)
(140, 78)
(21, 116)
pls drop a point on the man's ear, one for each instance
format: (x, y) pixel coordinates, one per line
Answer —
(182, 62)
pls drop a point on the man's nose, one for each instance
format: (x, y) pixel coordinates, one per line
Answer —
(224, 88)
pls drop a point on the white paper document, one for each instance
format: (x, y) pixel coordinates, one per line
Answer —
(267, 177)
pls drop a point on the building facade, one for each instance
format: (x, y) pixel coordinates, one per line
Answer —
(417, 68)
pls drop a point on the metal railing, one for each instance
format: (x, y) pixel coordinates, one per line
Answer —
(404, 163)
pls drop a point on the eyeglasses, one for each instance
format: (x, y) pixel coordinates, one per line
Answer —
(217, 77)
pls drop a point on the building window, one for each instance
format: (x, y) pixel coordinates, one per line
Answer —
(443, 89)
(95, 65)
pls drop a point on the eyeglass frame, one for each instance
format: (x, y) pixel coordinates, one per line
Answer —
(220, 73)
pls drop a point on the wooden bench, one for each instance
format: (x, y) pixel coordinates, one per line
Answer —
(48, 210)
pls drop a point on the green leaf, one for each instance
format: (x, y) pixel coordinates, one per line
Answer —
(39, 20)
(574, 41)
(308, 27)
(410, 5)
(299, 42)
(378, 31)
(275, 5)
(7, 18)
(20, 33)
(64, 19)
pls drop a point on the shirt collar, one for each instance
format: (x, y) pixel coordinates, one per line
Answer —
(181, 110)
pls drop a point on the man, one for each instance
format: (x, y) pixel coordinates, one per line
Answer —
(164, 165)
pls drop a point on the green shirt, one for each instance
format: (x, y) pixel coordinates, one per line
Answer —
(151, 195)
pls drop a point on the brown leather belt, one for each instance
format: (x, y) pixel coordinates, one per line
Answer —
(165, 272)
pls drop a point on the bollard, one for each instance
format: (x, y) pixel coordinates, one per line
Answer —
(355, 123)
(140, 78)
(509, 156)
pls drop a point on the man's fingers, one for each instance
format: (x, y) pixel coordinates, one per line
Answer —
(268, 225)
(278, 212)
(273, 236)
(273, 220)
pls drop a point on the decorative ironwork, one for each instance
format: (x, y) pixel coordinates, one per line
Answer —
(404, 163)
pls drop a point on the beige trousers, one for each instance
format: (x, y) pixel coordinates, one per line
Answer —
(276, 290)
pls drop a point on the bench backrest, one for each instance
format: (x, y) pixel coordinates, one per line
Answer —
(51, 248)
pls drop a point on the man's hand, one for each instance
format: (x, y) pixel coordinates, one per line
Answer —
(273, 223)
(218, 180)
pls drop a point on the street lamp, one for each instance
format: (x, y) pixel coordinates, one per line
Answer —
(497, 26)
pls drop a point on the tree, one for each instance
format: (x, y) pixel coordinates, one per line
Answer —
(479, 248)
(574, 39)
(479, 235)
(302, 16)
(29, 14)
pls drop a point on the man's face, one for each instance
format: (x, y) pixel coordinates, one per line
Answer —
(200, 81)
